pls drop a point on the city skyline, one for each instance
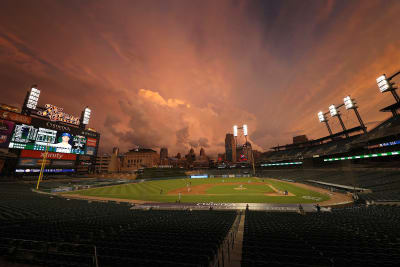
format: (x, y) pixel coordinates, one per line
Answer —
(180, 74)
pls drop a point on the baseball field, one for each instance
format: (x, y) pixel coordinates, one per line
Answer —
(217, 190)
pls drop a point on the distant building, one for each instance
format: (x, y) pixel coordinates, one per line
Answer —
(244, 153)
(221, 157)
(108, 163)
(102, 163)
(203, 155)
(191, 157)
(230, 148)
(164, 156)
(203, 161)
(139, 158)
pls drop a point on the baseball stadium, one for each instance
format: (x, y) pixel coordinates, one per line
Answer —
(103, 162)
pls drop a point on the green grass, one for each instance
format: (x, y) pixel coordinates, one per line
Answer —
(230, 189)
(150, 191)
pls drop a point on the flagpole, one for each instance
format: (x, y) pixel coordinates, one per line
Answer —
(43, 164)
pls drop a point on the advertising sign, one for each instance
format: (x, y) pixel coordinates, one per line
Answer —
(91, 142)
(63, 127)
(33, 138)
(6, 129)
(90, 151)
(199, 176)
(11, 116)
(63, 163)
(32, 162)
(55, 114)
(50, 155)
(45, 170)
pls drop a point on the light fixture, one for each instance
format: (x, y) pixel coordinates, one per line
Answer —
(333, 110)
(383, 83)
(348, 102)
(33, 98)
(235, 130)
(321, 116)
(86, 115)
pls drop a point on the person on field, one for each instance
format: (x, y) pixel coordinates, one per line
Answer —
(301, 210)
(318, 207)
(161, 191)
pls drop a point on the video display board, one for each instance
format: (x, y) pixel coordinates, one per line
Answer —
(31, 137)
(6, 129)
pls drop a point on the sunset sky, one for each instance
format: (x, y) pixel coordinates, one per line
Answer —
(181, 73)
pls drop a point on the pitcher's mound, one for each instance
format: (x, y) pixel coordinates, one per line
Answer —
(240, 188)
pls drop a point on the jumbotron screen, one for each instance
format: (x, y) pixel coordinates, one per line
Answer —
(37, 138)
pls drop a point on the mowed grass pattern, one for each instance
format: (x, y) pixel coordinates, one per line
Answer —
(150, 191)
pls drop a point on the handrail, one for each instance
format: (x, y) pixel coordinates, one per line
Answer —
(226, 246)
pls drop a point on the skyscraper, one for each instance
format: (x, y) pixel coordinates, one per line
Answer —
(164, 156)
(230, 147)
(202, 152)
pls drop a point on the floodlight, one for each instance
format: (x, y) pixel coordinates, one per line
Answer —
(86, 115)
(33, 98)
(321, 116)
(245, 129)
(333, 110)
(235, 130)
(383, 83)
(348, 102)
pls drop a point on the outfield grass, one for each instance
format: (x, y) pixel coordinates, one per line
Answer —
(150, 191)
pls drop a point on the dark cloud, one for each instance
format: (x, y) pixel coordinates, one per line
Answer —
(182, 136)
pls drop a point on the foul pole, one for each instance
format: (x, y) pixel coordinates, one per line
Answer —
(43, 165)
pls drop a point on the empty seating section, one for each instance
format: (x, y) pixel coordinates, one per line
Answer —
(358, 236)
(384, 184)
(48, 230)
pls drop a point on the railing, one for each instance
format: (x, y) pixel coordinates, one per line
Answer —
(223, 256)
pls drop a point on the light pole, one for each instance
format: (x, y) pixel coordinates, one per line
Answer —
(351, 104)
(322, 118)
(245, 133)
(31, 100)
(335, 113)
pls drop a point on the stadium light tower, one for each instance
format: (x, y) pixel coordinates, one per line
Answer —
(351, 104)
(235, 130)
(335, 113)
(322, 118)
(31, 100)
(85, 117)
(385, 84)
(245, 133)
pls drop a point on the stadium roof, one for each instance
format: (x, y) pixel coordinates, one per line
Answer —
(391, 108)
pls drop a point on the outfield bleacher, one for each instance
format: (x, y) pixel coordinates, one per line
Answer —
(384, 184)
(47, 230)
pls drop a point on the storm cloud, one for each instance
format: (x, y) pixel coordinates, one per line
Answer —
(180, 74)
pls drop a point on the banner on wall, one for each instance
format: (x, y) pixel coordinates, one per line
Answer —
(6, 129)
(12, 116)
(50, 155)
